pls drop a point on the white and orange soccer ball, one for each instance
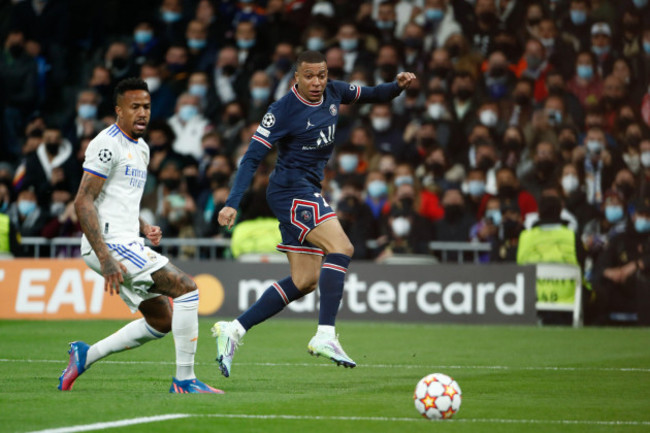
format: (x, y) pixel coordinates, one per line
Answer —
(437, 396)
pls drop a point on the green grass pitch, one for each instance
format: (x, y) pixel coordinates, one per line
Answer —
(514, 379)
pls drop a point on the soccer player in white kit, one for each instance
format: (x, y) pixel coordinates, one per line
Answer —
(108, 207)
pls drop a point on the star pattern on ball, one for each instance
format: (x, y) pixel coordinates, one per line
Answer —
(429, 380)
(448, 413)
(450, 391)
(428, 402)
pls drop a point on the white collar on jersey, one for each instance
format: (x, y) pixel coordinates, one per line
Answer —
(294, 89)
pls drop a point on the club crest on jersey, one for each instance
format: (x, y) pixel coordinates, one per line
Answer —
(305, 215)
(268, 120)
(333, 110)
(105, 155)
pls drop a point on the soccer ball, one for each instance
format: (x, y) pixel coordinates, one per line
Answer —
(437, 396)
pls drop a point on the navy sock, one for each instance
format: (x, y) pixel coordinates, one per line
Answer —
(272, 301)
(331, 281)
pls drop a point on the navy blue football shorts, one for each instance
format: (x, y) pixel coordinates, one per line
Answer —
(298, 211)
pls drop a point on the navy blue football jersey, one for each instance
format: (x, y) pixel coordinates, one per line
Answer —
(304, 133)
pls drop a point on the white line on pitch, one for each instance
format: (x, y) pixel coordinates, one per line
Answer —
(403, 366)
(114, 424)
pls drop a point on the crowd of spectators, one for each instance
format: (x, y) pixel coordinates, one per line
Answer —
(515, 101)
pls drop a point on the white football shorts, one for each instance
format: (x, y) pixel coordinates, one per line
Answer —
(140, 262)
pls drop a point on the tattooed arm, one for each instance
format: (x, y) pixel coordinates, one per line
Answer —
(84, 205)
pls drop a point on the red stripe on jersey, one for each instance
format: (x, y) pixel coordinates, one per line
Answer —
(356, 98)
(303, 250)
(335, 267)
(303, 100)
(263, 141)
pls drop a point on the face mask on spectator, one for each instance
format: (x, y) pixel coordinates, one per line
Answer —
(260, 93)
(196, 44)
(401, 226)
(187, 112)
(245, 44)
(199, 90)
(403, 180)
(554, 116)
(377, 188)
(434, 14)
(547, 42)
(578, 17)
(586, 72)
(315, 43)
(640, 4)
(493, 215)
(283, 64)
(348, 162)
(153, 83)
(633, 161)
(453, 212)
(87, 111)
(26, 207)
(385, 25)
(57, 208)
(594, 146)
(570, 183)
(142, 36)
(349, 44)
(646, 47)
(436, 110)
(380, 124)
(488, 118)
(642, 224)
(171, 16)
(533, 62)
(476, 188)
(614, 214)
(599, 51)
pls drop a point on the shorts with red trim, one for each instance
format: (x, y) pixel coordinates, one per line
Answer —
(299, 211)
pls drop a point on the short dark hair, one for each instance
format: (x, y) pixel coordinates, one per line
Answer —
(129, 84)
(309, 56)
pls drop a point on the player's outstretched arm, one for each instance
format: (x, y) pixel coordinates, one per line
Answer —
(404, 79)
(379, 93)
(84, 205)
(227, 216)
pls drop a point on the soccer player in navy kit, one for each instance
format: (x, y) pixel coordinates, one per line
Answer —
(302, 125)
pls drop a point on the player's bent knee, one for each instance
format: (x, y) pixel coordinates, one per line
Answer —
(187, 285)
(160, 323)
(306, 285)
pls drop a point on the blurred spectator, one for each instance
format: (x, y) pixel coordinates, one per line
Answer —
(568, 219)
(18, 81)
(252, 53)
(229, 81)
(387, 135)
(599, 165)
(100, 81)
(201, 51)
(146, 46)
(163, 98)
(356, 219)
(280, 70)
(574, 197)
(198, 84)
(586, 84)
(578, 23)
(474, 188)
(9, 238)
(189, 125)
(437, 19)
(544, 172)
(620, 279)
(376, 193)
(644, 157)
(171, 22)
(212, 146)
(485, 25)
(558, 50)
(260, 95)
(231, 125)
(53, 164)
(509, 188)
(27, 217)
(85, 122)
(464, 106)
(601, 46)
(457, 223)
(507, 220)
(176, 68)
(355, 54)
(534, 66)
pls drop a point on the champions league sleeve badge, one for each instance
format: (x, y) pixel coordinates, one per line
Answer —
(333, 110)
(105, 155)
(268, 120)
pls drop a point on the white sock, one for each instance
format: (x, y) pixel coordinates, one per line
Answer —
(328, 331)
(132, 335)
(185, 327)
(239, 330)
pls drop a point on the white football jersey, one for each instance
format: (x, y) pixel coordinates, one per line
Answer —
(122, 161)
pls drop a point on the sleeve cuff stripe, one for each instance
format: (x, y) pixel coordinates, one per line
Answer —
(94, 173)
(263, 141)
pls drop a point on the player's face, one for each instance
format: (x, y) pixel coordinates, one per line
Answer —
(134, 112)
(312, 79)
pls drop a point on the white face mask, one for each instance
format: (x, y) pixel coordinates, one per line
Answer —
(633, 162)
(401, 226)
(570, 183)
(153, 83)
(380, 124)
(488, 118)
(436, 111)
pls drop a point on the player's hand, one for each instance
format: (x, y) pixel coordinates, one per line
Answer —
(113, 272)
(404, 79)
(154, 234)
(227, 216)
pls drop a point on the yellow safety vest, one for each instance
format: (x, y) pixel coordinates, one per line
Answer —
(549, 244)
(5, 232)
(260, 235)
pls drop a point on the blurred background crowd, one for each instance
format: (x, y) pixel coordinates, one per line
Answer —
(525, 112)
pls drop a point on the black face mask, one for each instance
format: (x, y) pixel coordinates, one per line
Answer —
(453, 50)
(512, 144)
(521, 99)
(16, 50)
(453, 212)
(283, 64)
(414, 43)
(440, 72)
(624, 122)
(626, 190)
(228, 70)
(511, 229)
(192, 183)
(633, 141)
(233, 119)
(171, 184)
(407, 204)
(567, 144)
(412, 93)
(158, 148)
(464, 93)
(437, 168)
(556, 90)
(498, 72)
(52, 148)
(545, 166)
(485, 164)
(219, 178)
(507, 191)
(119, 62)
(388, 72)
(211, 151)
(487, 18)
